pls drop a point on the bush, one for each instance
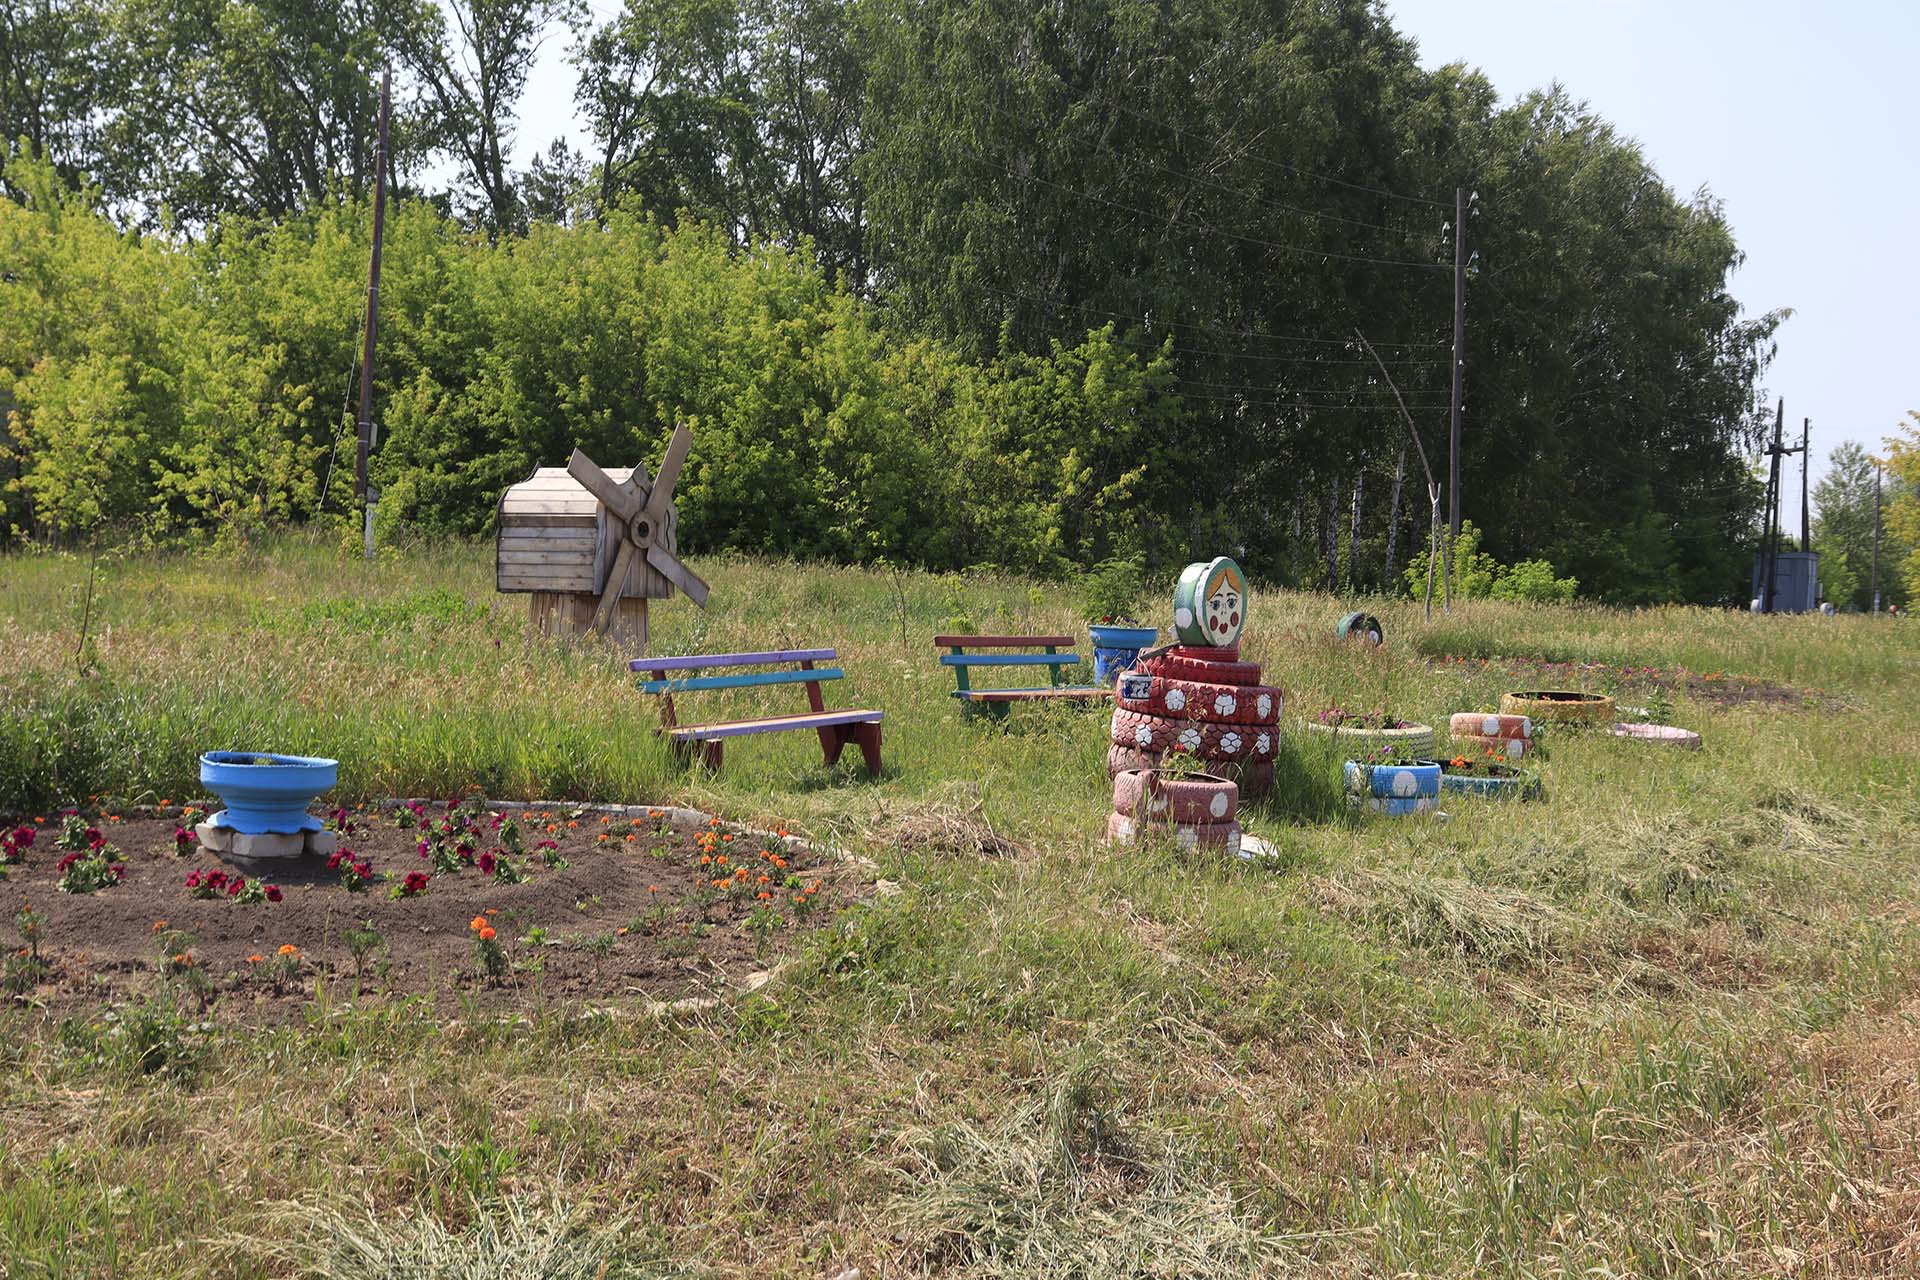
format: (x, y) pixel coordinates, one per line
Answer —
(1478, 576)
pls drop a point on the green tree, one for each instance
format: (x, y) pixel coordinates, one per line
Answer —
(1900, 553)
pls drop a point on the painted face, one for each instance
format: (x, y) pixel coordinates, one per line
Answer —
(1225, 607)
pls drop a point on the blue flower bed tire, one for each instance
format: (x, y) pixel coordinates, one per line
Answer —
(1398, 780)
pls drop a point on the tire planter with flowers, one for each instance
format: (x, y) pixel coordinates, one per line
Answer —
(1559, 706)
(1489, 780)
(1206, 665)
(1395, 779)
(1206, 741)
(1401, 807)
(1472, 744)
(1253, 777)
(1147, 795)
(1202, 835)
(1197, 700)
(1395, 740)
(1488, 724)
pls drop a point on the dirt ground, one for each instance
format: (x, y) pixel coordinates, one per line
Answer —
(608, 908)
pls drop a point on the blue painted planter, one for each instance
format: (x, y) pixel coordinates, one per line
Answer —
(266, 798)
(1116, 648)
(1398, 780)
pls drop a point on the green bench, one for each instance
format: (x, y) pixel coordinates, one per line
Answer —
(836, 728)
(997, 702)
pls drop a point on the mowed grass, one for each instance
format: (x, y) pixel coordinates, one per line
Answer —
(1661, 1024)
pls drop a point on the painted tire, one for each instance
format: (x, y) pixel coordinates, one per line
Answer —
(1520, 786)
(1253, 777)
(1487, 724)
(1360, 626)
(1204, 835)
(1559, 706)
(1394, 807)
(1210, 602)
(1665, 734)
(1218, 703)
(1472, 744)
(1400, 780)
(1415, 742)
(1184, 663)
(1145, 796)
(1206, 741)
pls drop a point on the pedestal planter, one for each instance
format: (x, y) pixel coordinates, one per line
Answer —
(266, 797)
(1408, 742)
(1491, 781)
(1559, 706)
(1115, 649)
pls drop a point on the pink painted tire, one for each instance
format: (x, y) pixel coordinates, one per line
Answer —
(1205, 741)
(1475, 745)
(1145, 796)
(1665, 734)
(1204, 835)
(1215, 703)
(1489, 724)
(1207, 666)
(1253, 777)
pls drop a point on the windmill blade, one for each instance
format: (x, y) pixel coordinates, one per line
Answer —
(616, 585)
(669, 474)
(681, 576)
(623, 500)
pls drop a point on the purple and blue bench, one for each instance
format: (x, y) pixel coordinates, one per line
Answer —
(669, 676)
(996, 702)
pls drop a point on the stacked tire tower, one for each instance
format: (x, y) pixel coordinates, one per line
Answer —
(1197, 696)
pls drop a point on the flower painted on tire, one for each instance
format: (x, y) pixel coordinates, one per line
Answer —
(1176, 700)
(1144, 735)
(1230, 743)
(1263, 744)
(1263, 706)
(1190, 739)
(1224, 704)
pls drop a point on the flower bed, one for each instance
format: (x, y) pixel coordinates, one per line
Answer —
(582, 903)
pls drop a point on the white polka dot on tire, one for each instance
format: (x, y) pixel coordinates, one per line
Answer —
(1218, 805)
(1405, 784)
(1491, 726)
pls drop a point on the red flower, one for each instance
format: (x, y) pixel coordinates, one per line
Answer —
(486, 863)
(234, 887)
(273, 893)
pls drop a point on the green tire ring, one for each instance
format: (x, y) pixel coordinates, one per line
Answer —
(1196, 619)
(1359, 625)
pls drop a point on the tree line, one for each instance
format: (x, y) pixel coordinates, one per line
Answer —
(972, 283)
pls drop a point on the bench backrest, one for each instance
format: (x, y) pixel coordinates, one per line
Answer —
(960, 660)
(808, 673)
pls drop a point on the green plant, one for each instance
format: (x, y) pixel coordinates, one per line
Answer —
(1109, 590)
(100, 867)
(362, 941)
(489, 956)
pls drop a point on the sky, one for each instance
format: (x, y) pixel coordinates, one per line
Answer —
(1800, 118)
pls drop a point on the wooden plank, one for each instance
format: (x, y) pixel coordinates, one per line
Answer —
(577, 533)
(1008, 659)
(1083, 693)
(558, 557)
(770, 724)
(531, 578)
(582, 505)
(572, 524)
(756, 680)
(1001, 642)
(697, 661)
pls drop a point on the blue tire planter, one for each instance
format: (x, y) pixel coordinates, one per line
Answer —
(266, 793)
(1115, 649)
(1399, 807)
(1396, 780)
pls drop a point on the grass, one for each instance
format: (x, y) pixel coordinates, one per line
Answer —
(1662, 1024)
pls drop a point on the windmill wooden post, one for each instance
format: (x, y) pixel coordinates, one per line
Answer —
(593, 545)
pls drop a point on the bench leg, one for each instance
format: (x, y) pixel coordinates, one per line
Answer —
(833, 740)
(868, 736)
(708, 753)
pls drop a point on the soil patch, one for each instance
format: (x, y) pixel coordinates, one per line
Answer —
(1627, 681)
(606, 907)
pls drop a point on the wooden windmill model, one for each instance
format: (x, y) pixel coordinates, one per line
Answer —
(593, 545)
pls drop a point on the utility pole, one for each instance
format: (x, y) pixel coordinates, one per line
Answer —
(1459, 356)
(1769, 542)
(369, 496)
(1806, 525)
(1876, 537)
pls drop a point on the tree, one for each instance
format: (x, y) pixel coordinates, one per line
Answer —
(1900, 553)
(56, 68)
(476, 91)
(1843, 528)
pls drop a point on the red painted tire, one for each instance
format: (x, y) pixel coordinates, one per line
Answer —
(1253, 777)
(1488, 724)
(1477, 746)
(1207, 835)
(1216, 703)
(1145, 796)
(1208, 666)
(1206, 741)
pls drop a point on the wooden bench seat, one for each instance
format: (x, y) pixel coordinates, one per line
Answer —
(995, 702)
(836, 728)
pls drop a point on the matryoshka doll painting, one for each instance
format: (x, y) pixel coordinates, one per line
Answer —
(1210, 604)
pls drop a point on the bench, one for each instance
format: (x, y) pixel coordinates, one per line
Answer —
(836, 728)
(997, 702)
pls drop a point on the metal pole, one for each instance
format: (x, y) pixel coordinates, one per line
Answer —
(1459, 355)
(365, 425)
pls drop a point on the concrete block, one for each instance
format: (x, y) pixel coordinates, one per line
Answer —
(322, 844)
(213, 839)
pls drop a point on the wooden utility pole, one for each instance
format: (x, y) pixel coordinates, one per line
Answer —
(1806, 525)
(1876, 537)
(1459, 356)
(1770, 544)
(368, 496)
